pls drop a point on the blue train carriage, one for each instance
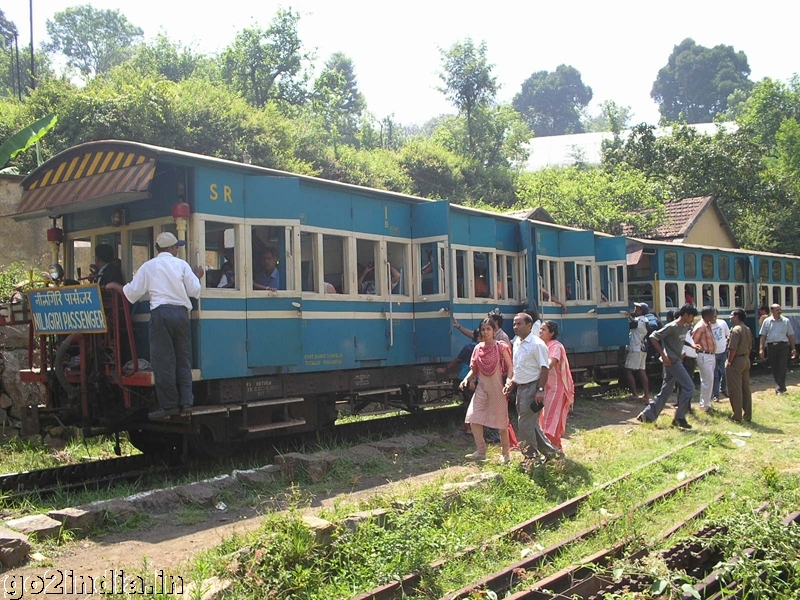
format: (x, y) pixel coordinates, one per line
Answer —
(778, 281)
(667, 275)
(580, 283)
(361, 312)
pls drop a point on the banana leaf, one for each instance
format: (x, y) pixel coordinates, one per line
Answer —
(25, 138)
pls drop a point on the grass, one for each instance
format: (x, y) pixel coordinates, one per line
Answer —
(19, 455)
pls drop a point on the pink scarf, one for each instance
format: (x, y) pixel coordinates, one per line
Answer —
(487, 358)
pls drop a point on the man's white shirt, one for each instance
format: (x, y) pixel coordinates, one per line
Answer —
(530, 357)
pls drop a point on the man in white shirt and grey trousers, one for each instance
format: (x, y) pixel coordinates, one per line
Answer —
(170, 282)
(531, 361)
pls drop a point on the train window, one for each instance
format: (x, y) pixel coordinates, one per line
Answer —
(462, 274)
(707, 266)
(670, 263)
(738, 296)
(643, 269)
(141, 247)
(788, 271)
(788, 296)
(484, 282)
(777, 271)
(220, 242)
(81, 257)
(334, 264)
(724, 296)
(776, 294)
(611, 283)
(548, 280)
(430, 258)
(763, 269)
(396, 256)
(690, 265)
(523, 264)
(583, 282)
(708, 294)
(271, 257)
(500, 265)
(309, 263)
(690, 293)
(739, 268)
(671, 295)
(724, 266)
(512, 272)
(640, 292)
(367, 259)
(763, 295)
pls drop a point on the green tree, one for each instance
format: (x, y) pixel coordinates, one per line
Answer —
(612, 117)
(337, 99)
(696, 82)
(551, 102)
(469, 83)
(93, 40)
(164, 57)
(268, 64)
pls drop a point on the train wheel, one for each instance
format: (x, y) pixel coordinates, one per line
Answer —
(153, 442)
(203, 444)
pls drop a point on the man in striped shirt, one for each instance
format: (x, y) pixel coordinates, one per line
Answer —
(706, 346)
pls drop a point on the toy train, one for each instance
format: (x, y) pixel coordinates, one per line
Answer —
(370, 283)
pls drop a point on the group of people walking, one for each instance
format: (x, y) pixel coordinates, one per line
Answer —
(533, 369)
(721, 354)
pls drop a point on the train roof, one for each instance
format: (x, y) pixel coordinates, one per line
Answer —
(106, 172)
(648, 242)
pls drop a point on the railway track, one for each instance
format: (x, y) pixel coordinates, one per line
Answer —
(102, 473)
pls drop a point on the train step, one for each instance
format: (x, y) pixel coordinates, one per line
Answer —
(220, 408)
(272, 426)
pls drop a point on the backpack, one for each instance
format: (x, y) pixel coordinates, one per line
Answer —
(652, 325)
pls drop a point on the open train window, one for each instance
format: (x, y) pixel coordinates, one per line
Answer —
(397, 263)
(739, 268)
(501, 278)
(788, 271)
(640, 292)
(431, 261)
(271, 256)
(708, 295)
(309, 264)
(725, 296)
(484, 279)
(141, 247)
(776, 294)
(462, 274)
(763, 295)
(548, 280)
(220, 258)
(670, 263)
(690, 265)
(707, 266)
(367, 266)
(671, 295)
(511, 276)
(577, 281)
(612, 283)
(690, 294)
(738, 296)
(788, 296)
(81, 257)
(724, 266)
(334, 261)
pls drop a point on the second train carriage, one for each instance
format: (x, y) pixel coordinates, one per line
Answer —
(278, 361)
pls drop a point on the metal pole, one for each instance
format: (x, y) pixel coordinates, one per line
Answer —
(19, 74)
(33, 65)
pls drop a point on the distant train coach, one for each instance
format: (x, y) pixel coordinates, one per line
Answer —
(319, 293)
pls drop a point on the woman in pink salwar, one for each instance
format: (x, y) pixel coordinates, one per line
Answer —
(559, 394)
(489, 405)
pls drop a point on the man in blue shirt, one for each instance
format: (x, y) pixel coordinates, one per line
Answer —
(269, 278)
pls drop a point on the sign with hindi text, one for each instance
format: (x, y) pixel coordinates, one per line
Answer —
(69, 309)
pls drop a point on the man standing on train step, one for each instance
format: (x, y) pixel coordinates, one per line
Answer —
(738, 367)
(170, 283)
(668, 342)
(777, 342)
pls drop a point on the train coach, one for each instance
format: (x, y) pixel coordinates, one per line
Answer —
(369, 282)
(667, 275)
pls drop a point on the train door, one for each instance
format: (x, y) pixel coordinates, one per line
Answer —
(272, 274)
(529, 290)
(579, 319)
(430, 226)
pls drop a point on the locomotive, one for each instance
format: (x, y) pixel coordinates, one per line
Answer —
(281, 361)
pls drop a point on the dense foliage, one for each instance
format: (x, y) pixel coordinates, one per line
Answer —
(260, 96)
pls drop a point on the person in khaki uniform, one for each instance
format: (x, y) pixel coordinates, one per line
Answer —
(737, 367)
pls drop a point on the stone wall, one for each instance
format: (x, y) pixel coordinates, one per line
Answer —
(20, 241)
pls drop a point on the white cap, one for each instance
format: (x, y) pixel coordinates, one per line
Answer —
(165, 240)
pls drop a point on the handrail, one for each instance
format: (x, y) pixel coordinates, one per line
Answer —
(390, 314)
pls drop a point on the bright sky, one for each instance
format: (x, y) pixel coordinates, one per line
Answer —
(618, 46)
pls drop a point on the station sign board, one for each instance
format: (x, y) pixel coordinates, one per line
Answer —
(68, 309)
